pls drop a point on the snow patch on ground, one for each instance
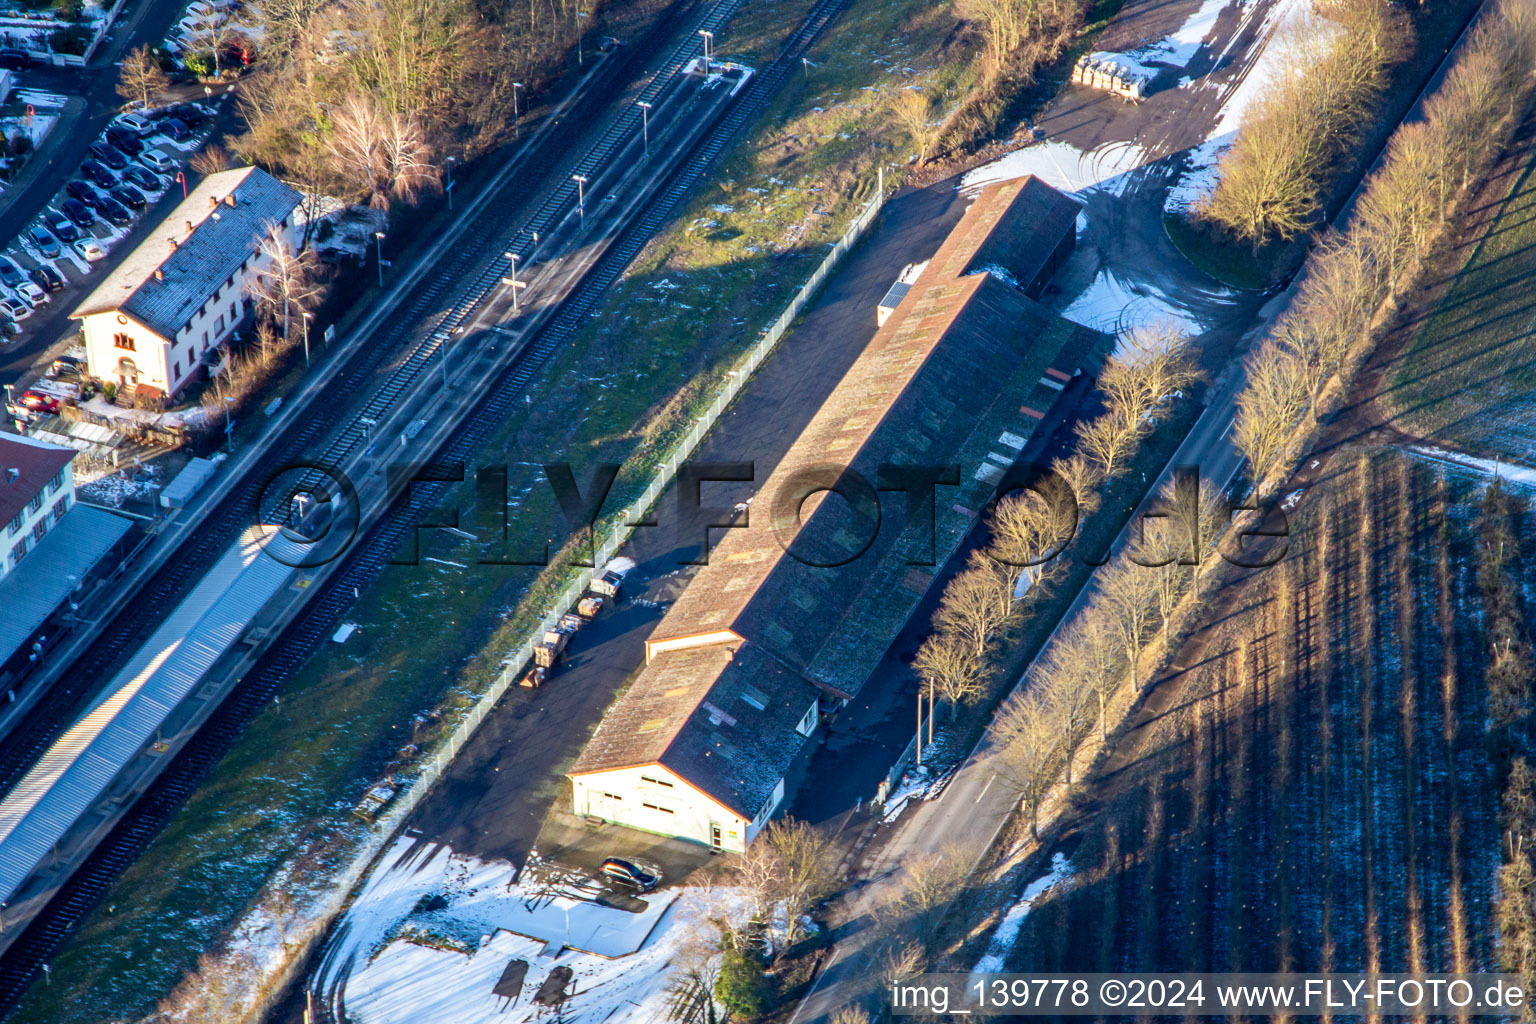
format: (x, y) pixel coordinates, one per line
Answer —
(1063, 166)
(1521, 476)
(1180, 48)
(1008, 931)
(1118, 307)
(1284, 21)
(431, 933)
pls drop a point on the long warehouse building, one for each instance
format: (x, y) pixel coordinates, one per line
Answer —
(799, 607)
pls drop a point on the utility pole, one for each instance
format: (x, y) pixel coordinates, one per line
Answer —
(378, 250)
(581, 196)
(579, 16)
(448, 171)
(709, 37)
(645, 124)
(308, 316)
(516, 126)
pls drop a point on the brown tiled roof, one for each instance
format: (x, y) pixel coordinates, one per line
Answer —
(722, 717)
(35, 464)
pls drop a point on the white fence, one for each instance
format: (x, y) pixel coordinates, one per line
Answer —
(432, 769)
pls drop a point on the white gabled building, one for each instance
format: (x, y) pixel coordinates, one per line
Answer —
(37, 486)
(182, 293)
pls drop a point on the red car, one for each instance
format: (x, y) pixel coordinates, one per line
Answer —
(36, 401)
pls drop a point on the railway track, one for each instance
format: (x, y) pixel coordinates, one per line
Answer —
(483, 264)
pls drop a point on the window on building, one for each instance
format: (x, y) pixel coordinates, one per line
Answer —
(658, 807)
(612, 796)
(124, 341)
(655, 782)
(231, 312)
(56, 482)
(35, 504)
(218, 325)
(15, 525)
(205, 341)
(59, 508)
(19, 550)
(229, 282)
(39, 528)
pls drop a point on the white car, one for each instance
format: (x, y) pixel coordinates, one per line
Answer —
(158, 160)
(205, 9)
(136, 123)
(19, 310)
(88, 250)
(32, 293)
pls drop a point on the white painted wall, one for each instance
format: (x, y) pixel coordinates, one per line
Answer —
(655, 800)
(19, 536)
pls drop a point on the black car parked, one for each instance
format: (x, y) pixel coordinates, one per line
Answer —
(628, 873)
(109, 155)
(46, 278)
(188, 114)
(78, 212)
(98, 173)
(143, 177)
(125, 140)
(10, 273)
(129, 197)
(175, 128)
(13, 59)
(62, 227)
(114, 212)
(83, 191)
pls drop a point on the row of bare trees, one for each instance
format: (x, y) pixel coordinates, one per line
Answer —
(1430, 166)
(1039, 729)
(1329, 85)
(1029, 528)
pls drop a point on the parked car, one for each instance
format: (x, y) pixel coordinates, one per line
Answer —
(128, 142)
(67, 368)
(38, 402)
(82, 191)
(78, 212)
(114, 212)
(128, 196)
(136, 123)
(14, 59)
(89, 250)
(628, 873)
(46, 278)
(205, 9)
(10, 273)
(158, 160)
(8, 327)
(32, 293)
(19, 310)
(189, 114)
(62, 227)
(98, 174)
(109, 155)
(174, 128)
(143, 178)
(45, 242)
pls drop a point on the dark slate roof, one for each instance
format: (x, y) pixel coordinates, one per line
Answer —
(722, 717)
(221, 239)
(958, 374)
(1033, 223)
(35, 463)
(55, 567)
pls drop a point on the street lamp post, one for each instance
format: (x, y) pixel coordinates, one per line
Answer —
(378, 251)
(581, 196)
(579, 16)
(308, 316)
(181, 177)
(512, 282)
(516, 117)
(229, 423)
(645, 124)
(448, 171)
(709, 37)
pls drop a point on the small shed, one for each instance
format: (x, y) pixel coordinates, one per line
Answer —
(890, 302)
(187, 483)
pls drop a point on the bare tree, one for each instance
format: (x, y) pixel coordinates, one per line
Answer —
(285, 288)
(1130, 595)
(140, 77)
(1269, 408)
(1027, 748)
(914, 112)
(950, 668)
(211, 159)
(1067, 702)
(976, 604)
(1030, 528)
(1107, 442)
(808, 870)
